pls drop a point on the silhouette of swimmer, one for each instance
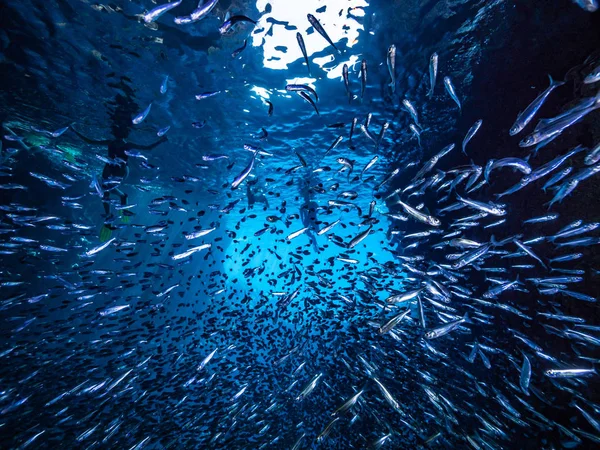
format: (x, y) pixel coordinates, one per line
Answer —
(121, 111)
(255, 194)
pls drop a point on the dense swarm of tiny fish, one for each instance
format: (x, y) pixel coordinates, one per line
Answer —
(393, 310)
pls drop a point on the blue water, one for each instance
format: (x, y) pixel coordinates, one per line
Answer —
(136, 345)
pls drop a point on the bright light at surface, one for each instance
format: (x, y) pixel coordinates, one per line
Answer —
(336, 72)
(261, 92)
(300, 80)
(275, 39)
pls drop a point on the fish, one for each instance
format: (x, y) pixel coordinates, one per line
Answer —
(390, 324)
(363, 78)
(587, 5)
(516, 163)
(384, 128)
(452, 92)
(207, 359)
(199, 13)
(368, 134)
(239, 50)
(302, 88)
(493, 209)
(327, 430)
(524, 117)
(232, 21)
(591, 420)
(334, 144)
(312, 384)
(430, 164)
(328, 228)
(348, 404)
(295, 234)
(300, 40)
(113, 310)
(158, 11)
(309, 100)
(568, 373)
(391, 63)
(472, 131)
(360, 237)
(199, 233)
(352, 129)
(550, 166)
(405, 297)
(99, 248)
(445, 329)
(557, 177)
(244, 174)
(161, 132)
(51, 134)
(540, 219)
(142, 116)
(347, 82)
(204, 95)
(554, 127)
(301, 159)
(411, 109)
(472, 256)
(433, 69)
(317, 26)
(530, 252)
(416, 132)
(415, 213)
(593, 156)
(214, 157)
(525, 377)
(563, 191)
(593, 76)
(387, 395)
(370, 164)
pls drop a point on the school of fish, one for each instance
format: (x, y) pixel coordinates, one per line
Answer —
(397, 310)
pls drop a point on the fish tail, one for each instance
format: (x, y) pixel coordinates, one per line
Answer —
(554, 83)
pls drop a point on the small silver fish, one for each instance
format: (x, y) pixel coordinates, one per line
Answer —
(433, 68)
(452, 92)
(141, 116)
(391, 63)
(474, 128)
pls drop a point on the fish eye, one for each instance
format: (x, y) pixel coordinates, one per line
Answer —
(527, 141)
(513, 131)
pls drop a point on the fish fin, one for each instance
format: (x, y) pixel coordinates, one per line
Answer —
(597, 98)
(493, 240)
(105, 233)
(466, 318)
(554, 83)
